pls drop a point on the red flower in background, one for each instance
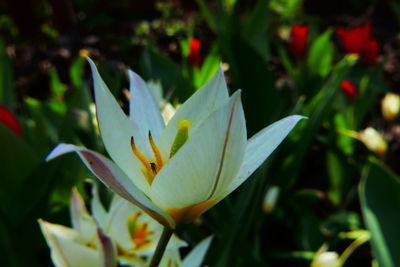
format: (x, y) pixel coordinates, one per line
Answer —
(8, 119)
(298, 43)
(348, 88)
(195, 52)
(358, 40)
(371, 52)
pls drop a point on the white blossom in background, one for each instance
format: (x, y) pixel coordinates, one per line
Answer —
(124, 234)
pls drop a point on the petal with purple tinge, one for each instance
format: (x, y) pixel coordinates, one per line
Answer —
(112, 176)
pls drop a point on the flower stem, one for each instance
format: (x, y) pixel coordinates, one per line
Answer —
(161, 246)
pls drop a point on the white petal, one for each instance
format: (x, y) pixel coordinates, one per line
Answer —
(197, 108)
(196, 256)
(144, 111)
(108, 253)
(117, 226)
(236, 141)
(98, 211)
(67, 247)
(116, 131)
(195, 170)
(112, 176)
(261, 145)
(80, 217)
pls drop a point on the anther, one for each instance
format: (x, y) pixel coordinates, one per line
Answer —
(156, 152)
(153, 168)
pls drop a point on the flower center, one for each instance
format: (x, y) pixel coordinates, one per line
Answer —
(152, 167)
(139, 233)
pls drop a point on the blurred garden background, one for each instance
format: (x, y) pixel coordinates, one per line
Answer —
(332, 186)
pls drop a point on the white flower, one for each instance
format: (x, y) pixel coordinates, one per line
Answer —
(390, 106)
(125, 233)
(175, 172)
(373, 140)
(326, 259)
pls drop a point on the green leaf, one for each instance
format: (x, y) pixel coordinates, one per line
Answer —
(157, 66)
(17, 161)
(7, 94)
(320, 56)
(208, 69)
(338, 178)
(380, 202)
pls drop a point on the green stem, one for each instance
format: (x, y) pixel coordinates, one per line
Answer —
(350, 249)
(161, 246)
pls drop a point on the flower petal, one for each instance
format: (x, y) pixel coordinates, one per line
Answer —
(80, 217)
(197, 108)
(144, 111)
(111, 175)
(116, 131)
(107, 250)
(261, 145)
(195, 170)
(196, 256)
(98, 211)
(68, 247)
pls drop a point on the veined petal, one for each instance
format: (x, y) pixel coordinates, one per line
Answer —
(197, 108)
(234, 148)
(68, 248)
(112, 176)
(196, 256)
(116, 131)
(261, 145)
(190, 176)
(144, 111)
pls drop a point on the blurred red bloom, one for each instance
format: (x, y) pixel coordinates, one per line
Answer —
(358, 40)
(8, 119)
(348, 88)
(298, 43)
(195, 52)
(371, 52)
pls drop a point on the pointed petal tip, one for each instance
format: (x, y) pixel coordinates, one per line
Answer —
(297, 117)
(92, 64)
(132, 74)
(237, 95)
(58, 151)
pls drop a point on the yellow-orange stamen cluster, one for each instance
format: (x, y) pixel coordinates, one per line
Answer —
(139, 232)
(151, 168)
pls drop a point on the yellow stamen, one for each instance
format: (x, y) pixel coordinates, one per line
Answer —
(156, 152)
(140, 156)
(181, 137)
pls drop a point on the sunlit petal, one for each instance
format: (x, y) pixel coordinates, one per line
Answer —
(261, 145)
(80, 217)
(144, 112)
(190, 176)
(67, 246)
(197, 108)
(116, 130)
